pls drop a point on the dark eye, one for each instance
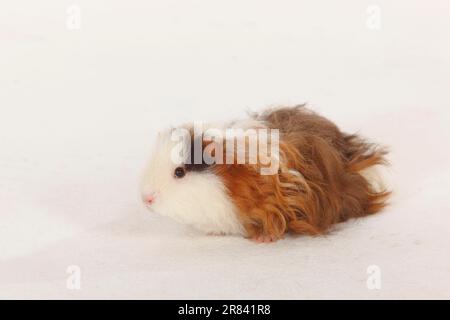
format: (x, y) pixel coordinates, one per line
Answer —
(179, 172)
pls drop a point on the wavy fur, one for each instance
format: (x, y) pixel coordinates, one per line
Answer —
(319, 183)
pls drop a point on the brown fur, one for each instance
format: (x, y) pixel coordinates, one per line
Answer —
(329, 190)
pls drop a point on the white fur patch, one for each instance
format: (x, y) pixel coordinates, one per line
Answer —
(199, 199)
(375, 176)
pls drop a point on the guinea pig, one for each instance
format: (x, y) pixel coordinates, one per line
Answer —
(315, 175)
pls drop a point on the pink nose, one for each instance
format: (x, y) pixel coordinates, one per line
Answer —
(151, 197)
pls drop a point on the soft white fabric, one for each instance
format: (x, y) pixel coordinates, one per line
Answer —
(80, 109)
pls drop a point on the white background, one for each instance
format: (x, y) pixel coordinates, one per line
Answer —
(79, 110)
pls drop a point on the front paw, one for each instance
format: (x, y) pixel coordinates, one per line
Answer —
(265, 238)
(216, 233)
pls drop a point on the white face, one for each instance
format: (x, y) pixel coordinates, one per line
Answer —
(198, 199)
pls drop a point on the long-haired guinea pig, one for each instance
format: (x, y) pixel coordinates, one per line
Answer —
(286, 170)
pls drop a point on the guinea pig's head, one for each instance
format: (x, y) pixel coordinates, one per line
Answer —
(189, 193)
